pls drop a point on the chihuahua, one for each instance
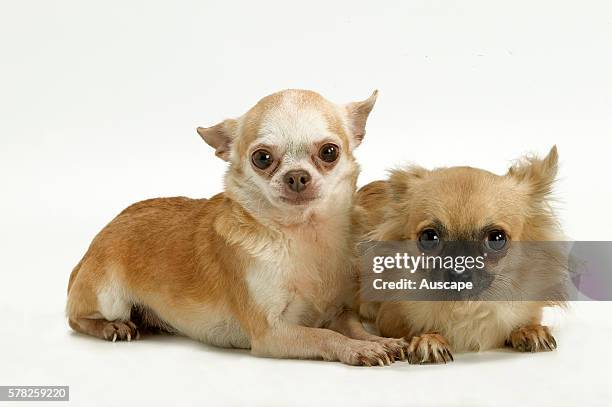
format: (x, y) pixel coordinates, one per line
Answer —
(267, 265)
(493, 213)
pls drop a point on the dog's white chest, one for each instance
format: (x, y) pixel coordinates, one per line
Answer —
(288, 291)
(272, 287)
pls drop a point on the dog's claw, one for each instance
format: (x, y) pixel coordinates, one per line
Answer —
(120, 331)
(429, 348)
(532, 338)
(395, 348)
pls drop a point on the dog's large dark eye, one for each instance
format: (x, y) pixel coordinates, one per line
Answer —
(262, 159)
(329, 153)
(429, 240)
(496, 240)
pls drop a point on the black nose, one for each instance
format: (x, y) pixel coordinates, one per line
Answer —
(458, 276)
(297, 180)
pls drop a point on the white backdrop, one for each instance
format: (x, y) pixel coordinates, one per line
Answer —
(99, 102)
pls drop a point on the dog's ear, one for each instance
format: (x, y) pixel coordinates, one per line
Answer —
(357, 116)
(401, 181)
(538, 174)
(220, 137)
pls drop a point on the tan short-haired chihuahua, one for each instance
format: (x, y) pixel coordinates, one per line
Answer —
(492, 212)
(266, 265)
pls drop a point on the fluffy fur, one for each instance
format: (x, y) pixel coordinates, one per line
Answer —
(465, 201)
(254, 267)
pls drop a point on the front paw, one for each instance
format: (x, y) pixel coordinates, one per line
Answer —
(397, 348)
(365, 353)
(429, 348)
(532, 338)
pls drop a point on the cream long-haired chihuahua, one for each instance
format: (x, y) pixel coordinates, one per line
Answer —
(266, 265)
(468, 204)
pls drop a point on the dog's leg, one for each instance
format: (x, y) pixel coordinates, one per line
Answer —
(349, 324)
(99, 308)
(293, 341)
(532, 338)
